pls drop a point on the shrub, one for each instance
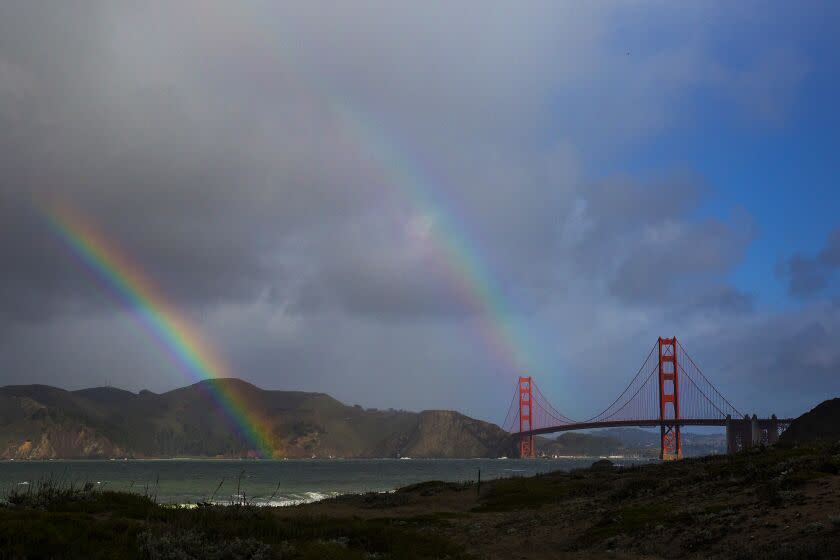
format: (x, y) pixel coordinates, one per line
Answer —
(187, 545)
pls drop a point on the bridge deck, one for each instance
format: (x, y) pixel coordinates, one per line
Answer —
(644, 424)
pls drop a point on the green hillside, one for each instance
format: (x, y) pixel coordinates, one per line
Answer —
(41, 422)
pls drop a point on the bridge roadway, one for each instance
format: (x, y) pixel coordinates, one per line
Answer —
(644, 424)
(740, 432)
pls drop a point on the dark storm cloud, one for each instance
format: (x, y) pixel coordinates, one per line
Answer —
(210, 140)
(810, 275)
(200, 189)
(206, 154)
(212, 155)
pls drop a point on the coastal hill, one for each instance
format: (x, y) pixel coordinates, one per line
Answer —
(628, 442)
(42, 422)
(819, 425)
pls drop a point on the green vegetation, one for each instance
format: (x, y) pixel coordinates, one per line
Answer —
(53, 520)
(780, 503)
(529, 493)
(686, 507)
(628, 520)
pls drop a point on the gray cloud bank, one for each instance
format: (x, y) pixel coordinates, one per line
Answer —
(811, 275)
(212, 142)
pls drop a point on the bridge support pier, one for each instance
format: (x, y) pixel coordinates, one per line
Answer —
(731, 444)
(751, 431)
(773, 431)
(739, 434)
(755, 431)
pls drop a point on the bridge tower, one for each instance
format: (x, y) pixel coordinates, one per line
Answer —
(526, 418)
(669, 394)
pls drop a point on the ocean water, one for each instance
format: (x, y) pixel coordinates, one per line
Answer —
(266, 482)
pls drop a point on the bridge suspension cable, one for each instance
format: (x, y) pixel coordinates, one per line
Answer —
(695, 375)
(510, 423)
(543, 405)
(633, 382)
(641, 399)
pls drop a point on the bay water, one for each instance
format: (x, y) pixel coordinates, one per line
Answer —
(188, 481)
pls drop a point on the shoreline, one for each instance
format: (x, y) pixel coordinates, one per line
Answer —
(337, 459)
(750, 506)
(187, 481)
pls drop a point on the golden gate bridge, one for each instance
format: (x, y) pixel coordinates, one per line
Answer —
(669, 391)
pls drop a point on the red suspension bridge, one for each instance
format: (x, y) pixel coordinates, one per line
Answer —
(669, 391)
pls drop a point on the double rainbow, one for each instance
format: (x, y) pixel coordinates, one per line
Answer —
(468, 275)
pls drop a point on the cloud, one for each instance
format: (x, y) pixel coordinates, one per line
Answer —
(369, 195)
(214, 152)
(644, 241)
(810, 275)
(780, 363)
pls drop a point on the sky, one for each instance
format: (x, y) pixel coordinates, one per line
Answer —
(409, 206)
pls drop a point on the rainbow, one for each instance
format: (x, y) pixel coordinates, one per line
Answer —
(501, 329)
(163, 320)
(468, 274)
